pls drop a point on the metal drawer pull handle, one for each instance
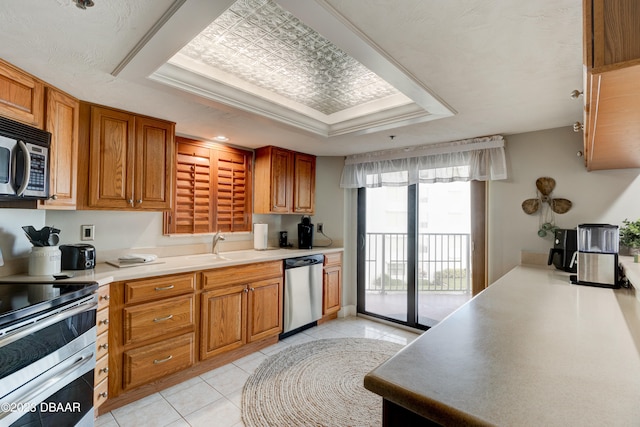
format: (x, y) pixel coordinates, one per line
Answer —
(104, 322)
(164, 288)
(162, 319)
(104, 346)
(159, 361)
(103, 394)
(105, 297)
(104, 370)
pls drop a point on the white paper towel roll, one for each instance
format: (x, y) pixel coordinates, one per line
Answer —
(260, 235)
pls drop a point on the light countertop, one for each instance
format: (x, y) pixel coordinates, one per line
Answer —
(531, 349)
(105, 273)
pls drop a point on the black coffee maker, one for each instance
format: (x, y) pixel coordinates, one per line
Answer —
(305, 233)
(565, 246)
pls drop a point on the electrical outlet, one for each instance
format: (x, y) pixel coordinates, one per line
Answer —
(87, 232)
(320, 227)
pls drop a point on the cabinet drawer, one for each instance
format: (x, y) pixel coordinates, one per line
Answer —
(159, 287)
(334, 258)
(100, 393)
(102, 321)
(102, 345)
(241, 274)
(153, 361)
(103, 297)
(145, 321)
(102, 370)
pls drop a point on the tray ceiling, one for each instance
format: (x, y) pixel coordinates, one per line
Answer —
(259, 56)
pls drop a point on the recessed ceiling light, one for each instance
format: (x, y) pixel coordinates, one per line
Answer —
(221, 138)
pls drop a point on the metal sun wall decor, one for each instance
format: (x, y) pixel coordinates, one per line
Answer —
(547, 205)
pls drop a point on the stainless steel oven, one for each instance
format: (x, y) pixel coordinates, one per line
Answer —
(47, 354)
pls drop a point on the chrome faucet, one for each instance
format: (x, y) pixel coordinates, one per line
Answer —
(214, 246)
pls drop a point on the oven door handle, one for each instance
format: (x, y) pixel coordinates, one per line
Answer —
(27, 168)
(53, 377)
(23, 331)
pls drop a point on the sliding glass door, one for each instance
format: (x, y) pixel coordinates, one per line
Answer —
(414, 252)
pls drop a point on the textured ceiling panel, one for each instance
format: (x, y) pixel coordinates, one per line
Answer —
(266, 46)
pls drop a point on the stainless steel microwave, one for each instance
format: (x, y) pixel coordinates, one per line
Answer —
(24, 161)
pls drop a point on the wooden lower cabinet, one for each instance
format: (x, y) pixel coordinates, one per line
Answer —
(264, 308)
(164, 330)
(223, 320)
(332, 285)
(101, 372)
(240, 307)
(150, 362)
(152, 330)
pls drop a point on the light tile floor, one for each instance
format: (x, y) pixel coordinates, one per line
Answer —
(214, 398)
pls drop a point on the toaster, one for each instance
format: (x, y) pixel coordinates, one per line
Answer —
(79, 256)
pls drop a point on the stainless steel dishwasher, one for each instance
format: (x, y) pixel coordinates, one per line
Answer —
(302, 293)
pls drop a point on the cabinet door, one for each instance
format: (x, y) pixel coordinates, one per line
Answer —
(304, 183)
(265, 309)
(111, 152)
(281, 181)
(153, 164)
(21, 96)
(613, 128)
(62, 115)
(332, 290)
(614, 32)
(223, 320)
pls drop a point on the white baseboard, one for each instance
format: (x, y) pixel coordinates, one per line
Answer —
(347, 310)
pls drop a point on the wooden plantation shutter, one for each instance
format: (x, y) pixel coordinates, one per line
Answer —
(192, 212)
(212, 189)
(233, 191)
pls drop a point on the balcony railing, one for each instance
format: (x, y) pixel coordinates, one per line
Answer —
(442, 263)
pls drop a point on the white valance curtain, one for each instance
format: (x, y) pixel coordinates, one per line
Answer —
(481, 159)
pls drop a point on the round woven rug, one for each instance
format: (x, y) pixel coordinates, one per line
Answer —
(319, 383)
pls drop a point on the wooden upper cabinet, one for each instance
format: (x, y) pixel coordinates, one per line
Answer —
(212, 189)
(284, 181)
(130, 161)
(154, 163)
(304, 183)
(111, 159)
(61, 116)
(612, 88)
(612, 35)
(21, 96)
(612, 131)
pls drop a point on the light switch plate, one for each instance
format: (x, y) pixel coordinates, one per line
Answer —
(87, 232)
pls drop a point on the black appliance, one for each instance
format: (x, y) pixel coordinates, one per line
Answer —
(305, 233)
(24, 161)
(565, 245)
(283, 239)
(80, 256)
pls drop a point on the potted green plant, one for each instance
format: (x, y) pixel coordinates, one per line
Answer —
(630, 236)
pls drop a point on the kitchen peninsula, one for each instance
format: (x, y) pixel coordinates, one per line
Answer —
(531, 349)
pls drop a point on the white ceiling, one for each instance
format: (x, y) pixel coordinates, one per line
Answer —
(504, 67)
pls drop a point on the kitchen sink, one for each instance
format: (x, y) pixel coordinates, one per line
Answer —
(240, 255)
(206, 257)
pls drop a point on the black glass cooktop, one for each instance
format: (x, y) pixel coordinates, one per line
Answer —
(19, 301)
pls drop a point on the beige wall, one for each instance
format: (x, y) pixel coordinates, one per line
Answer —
(599, 196)
(603, 196)
(121, 231)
